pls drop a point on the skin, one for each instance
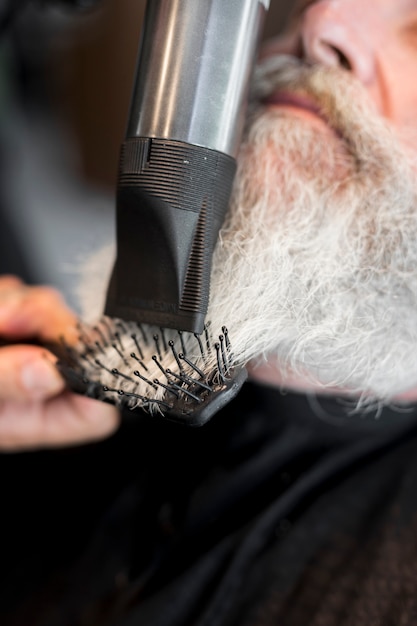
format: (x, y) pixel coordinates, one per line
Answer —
(377, 42)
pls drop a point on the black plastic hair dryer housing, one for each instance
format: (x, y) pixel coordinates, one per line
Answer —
(178, 160)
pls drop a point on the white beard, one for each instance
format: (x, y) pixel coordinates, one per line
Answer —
(316, 265)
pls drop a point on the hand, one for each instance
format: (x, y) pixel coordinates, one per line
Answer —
(36, 410)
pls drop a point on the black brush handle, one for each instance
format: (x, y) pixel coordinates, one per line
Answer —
(51, 346)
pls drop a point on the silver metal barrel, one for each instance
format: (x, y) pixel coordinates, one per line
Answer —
(192, 78)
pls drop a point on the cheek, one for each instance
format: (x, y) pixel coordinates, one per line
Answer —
(404, 120)
(401, 117)
(397, 86)
(405, 111)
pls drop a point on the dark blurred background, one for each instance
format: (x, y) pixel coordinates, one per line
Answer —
(65, 82)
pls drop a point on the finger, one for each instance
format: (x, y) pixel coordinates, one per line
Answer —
(28, 373)
(36, 311)
(8, 281)
(64, 420)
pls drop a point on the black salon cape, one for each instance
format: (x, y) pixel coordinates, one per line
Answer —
(284, 510)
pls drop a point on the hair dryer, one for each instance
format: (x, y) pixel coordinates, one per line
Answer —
(178, 159)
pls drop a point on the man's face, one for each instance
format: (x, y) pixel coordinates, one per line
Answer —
(376, 41)
(316, 268)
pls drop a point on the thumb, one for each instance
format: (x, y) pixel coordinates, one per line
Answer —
(28, 373)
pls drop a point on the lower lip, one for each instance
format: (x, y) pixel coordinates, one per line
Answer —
(298, 104)
(292, 100)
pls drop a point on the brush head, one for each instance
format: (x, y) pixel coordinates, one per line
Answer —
(184, 377)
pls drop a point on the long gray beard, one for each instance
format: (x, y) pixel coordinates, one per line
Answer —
(316, 266)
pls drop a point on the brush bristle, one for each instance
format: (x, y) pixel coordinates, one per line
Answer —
(182, 376)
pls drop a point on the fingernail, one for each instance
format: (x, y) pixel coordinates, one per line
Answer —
(40, 378)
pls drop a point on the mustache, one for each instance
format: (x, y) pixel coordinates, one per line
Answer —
(339, 98)
(328, 87)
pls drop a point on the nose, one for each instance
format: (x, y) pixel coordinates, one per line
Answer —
(336, 33)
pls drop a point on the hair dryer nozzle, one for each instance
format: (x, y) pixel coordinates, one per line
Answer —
(171, 200)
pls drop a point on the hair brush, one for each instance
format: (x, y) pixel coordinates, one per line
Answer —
(182, 376)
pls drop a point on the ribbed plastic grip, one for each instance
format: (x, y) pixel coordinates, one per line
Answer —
(171, 201)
